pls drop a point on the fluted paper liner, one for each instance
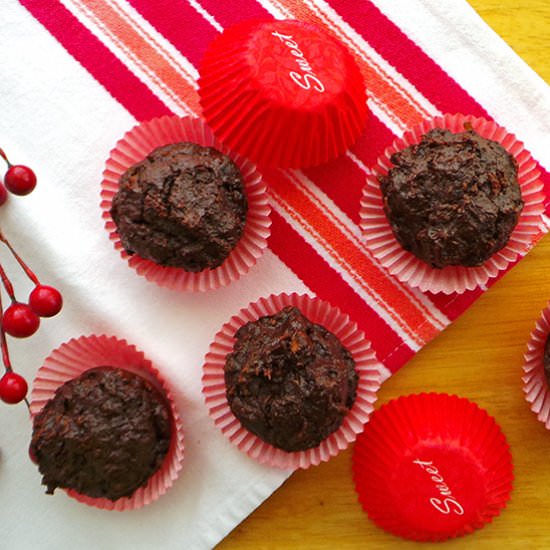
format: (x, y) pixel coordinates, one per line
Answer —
(430, 467)
(535, 384)
(406, 266)
(367, 366)
(78, 355)
(133, 148)
(297, 101)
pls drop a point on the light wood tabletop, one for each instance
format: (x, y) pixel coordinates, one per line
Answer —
(479, 357)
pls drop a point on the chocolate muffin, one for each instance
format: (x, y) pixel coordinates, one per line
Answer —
(103, 434)
(452, 199)
(289, 381)
(182, 206)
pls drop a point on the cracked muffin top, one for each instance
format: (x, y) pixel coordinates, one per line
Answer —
(103, 434)
(289, 381)
(183, 206)
(452, 199)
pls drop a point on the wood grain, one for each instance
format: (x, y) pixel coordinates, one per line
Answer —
(479, 357)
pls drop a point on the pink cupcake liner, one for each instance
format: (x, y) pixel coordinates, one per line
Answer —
(134, 147)
(367, 366)
(535, 384)
(430, 467)
(78, 355)
(413, 271)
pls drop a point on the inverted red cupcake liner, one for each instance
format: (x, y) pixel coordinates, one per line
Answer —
(535, 384)
(430, 467)
(283, 93)
(368, 368)
(136, 144)
(78, 355)
(406, 266)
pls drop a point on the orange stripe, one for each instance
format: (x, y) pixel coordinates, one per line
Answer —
(123, 31)
(352, 259)
(388, 92)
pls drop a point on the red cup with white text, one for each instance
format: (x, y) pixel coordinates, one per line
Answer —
(285, 94)
(430, 467)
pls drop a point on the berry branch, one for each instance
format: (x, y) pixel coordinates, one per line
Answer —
(7, 284)
(24, 266)
(13, 387)
(21, 320)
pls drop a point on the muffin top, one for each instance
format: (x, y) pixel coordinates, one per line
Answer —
(289, 381)
(452, 199)
(103, 434)
(183, 206)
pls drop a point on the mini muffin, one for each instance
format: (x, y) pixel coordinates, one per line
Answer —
(289, 381)
(183, 206)
(103, 434)
(452, 199)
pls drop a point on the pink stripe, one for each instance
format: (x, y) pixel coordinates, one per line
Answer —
(171, 19)
(129, 91)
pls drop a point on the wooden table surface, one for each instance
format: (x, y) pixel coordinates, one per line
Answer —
(479, 357)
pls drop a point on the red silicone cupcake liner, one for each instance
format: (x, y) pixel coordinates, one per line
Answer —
(430, 467)
(134, 147)
(76, 356)
(410, 269)
(283, 93)
(367, 366)
(535, 384)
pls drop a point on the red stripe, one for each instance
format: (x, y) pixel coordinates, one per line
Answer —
(228, 13)
(171, 19)
(329, 286)
(455, 304)
(342, 179)
(129, 91)
(336, 179)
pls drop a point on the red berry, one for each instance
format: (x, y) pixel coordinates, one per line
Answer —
(45, 301)
(3, 194)
(20, 320)
(13, 388)
(19, 179)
